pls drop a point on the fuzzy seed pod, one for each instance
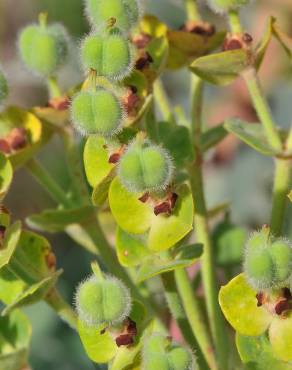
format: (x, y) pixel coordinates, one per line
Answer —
(43, 49)
(102, 300)
(223, 6)
(281, 253)
(160, 354)
(145, 167)
(97, 112)
(125, 12)
(259, 269)
(110, 55)
(3, 88)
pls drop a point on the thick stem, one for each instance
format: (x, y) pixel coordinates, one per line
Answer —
(62, 308)
(196, 319)
(53, 87)
(192, 10)
(282, 186)
(234, 22)
(47, 182)
(262, 108)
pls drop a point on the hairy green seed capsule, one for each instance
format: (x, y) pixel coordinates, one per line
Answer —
(125, 12)
(3, 87)
(110, 55)
(281, 254)
(102, 300)
(259, 269)
(43, 49)
(160, 354)
(145, 167)
(226, 5)
(97, 112)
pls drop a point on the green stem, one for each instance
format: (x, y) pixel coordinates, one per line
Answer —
(162, 100)
(202, 230)
(47, 182)
(282, 186)
(262, 108)
(234, 22)
(63, 309)
(289, 140)
(192, 10)
(54, 89)
(196, 319)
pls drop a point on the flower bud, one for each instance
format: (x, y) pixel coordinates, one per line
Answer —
(43, 48)
(223, 6)
(160, 354)
(3, 88)
(102, 300)
(145, 167)
(110, 55)
(125, 12)
(97, 112)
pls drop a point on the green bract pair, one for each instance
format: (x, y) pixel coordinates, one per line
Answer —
(43, 48)
(268, 261)
(160, 354)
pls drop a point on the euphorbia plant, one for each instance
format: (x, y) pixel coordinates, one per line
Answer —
(142, 165)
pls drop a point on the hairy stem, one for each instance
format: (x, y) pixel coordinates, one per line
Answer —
(262, 108)
(282, 186)
(196, 319)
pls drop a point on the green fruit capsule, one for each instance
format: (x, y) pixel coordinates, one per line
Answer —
(43, 49)
(281, 253)
(3, 87)
(102, 300)
(259, 269)
(160, 354)
(110, 55)
(223, 6)
(97, 112)
(145, 167)
(125, 12)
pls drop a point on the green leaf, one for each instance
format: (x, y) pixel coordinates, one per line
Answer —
(138, 217)
(239, 305)
(10, 286)
(184, 47)
(96, 160)
(58, 219)
(15, 117)
(158, 266)
(229, 241)
(14, 342)
(280, 334)
(221, 68)
(158, 49)
(263, 46)
(284, 40)
(166, 231)
(12, 235)
(33, 294)
(250, 133)
(131, 249)
(258, 350)
(212, 137)
(6, 174)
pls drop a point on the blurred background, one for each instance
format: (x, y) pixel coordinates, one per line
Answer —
(234, 172)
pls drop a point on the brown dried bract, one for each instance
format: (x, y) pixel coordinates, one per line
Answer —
(127, 336)
(237, 41)
(17, 138)
(141, 40)
(4, 146)
(51, 260)
(167, 205)
(144, 197)
(199, 28)
(131, 102)
(61, 103)
(114, 158)
(2, 233)
(144, 60)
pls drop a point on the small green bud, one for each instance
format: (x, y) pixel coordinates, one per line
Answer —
(160, 354)
(281, 253)
(97, 112)
(223, 6)
(43, 48)
(102, 300)
(110, 55)
(145, 167)
(125, 12)
(3, 87)
(259, 269)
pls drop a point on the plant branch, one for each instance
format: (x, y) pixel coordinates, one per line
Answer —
(282, 186)
(53, 87)
(192, 10)
(163, 102)
(234, 22)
